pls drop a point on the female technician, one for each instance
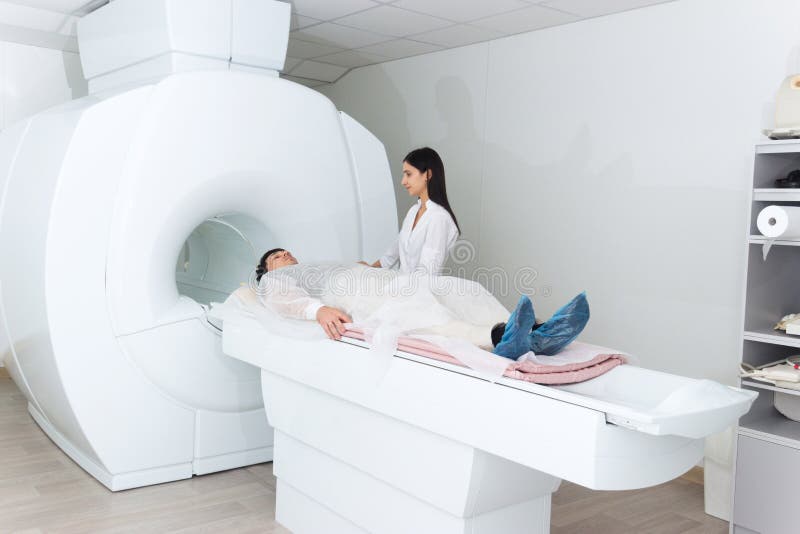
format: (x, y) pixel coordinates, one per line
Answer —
(430, 228)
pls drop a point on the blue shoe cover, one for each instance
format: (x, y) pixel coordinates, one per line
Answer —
(562, 328)
(515, 337)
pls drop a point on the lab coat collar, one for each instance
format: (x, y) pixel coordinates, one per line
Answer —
(428, 204)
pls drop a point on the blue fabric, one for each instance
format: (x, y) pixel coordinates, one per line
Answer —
(515, 341)
(562, 328)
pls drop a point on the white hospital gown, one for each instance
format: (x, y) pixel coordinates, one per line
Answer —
(407, 303)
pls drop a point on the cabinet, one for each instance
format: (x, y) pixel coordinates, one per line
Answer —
(767, 467)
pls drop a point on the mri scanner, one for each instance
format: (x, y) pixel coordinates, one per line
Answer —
(125, 212)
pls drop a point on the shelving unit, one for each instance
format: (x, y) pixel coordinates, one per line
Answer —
(776, 195)
(760, 240)
(767, 467)
(764, 385)
(774, 337)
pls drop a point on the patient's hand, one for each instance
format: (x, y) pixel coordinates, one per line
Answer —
(332, 320)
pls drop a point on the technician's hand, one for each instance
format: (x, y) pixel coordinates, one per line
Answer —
(332, 320)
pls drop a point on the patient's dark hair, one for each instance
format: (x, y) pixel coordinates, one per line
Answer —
(261, 268)
(427, 159)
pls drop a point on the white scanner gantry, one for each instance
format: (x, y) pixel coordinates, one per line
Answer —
(187, 121)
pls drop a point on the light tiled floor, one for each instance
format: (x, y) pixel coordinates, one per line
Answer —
(43, 491)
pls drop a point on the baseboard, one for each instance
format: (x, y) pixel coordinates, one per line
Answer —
(234, 460)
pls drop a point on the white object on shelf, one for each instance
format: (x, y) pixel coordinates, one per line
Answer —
(793, 327)
(787, 404)
(783, 133)
(787, 110)
(782, 222)
(787, 106)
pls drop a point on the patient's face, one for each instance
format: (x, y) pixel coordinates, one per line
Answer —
(415, 182)
(279, 259)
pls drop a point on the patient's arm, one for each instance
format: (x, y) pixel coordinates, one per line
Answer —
(282, 295)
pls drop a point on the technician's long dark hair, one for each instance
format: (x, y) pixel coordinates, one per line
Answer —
(426, 159)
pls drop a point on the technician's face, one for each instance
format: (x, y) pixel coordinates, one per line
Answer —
(279, 259)
(415, 182)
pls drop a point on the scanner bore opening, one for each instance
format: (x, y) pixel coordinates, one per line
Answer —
(216, 259)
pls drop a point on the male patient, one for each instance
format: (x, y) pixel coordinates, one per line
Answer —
(332, 320)
(334, 294)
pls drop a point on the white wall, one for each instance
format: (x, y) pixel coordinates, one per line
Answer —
(594, 152)
(33, 79)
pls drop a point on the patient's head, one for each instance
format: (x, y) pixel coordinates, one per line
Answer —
(274, 259)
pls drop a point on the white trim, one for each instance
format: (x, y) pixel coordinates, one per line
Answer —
(35, 26)
(43, 39)
(223, 462)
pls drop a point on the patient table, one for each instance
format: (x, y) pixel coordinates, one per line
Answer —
(430, 447)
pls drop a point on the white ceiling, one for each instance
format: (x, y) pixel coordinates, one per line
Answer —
(330, 37)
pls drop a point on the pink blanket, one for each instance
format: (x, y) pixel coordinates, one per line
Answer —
(526, 370)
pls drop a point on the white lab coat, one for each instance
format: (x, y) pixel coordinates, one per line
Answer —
(425, 247)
